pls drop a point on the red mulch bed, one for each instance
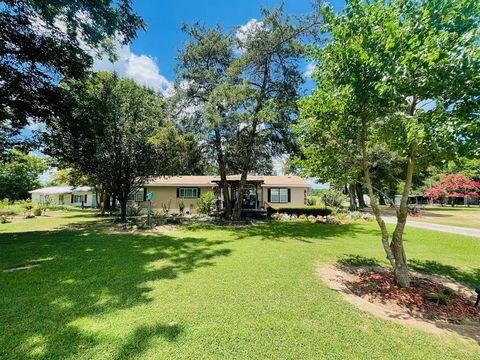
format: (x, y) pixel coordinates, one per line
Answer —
(381, 286)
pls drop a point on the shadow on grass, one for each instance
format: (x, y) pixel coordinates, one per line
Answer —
(431, 267)
(138, 343)
(84, 272)
(283, 231)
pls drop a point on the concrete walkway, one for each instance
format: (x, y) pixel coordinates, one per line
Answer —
(437, 227)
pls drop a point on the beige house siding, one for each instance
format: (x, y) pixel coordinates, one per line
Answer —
(163, 194)
(297, 195)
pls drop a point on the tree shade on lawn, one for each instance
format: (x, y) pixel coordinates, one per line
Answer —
(206, 292)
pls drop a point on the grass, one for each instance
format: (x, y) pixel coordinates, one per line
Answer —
(468, 217)
(205, 292)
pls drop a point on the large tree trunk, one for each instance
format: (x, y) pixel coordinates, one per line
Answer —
(401, 268)
(240, 190)
(123, 209)
(351, 197)
(373, 198)
(227, 207)
(359, 191)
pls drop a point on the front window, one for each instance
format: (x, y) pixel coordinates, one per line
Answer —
(279, 195)
(138, 195)
(188, 193)
(77, 198)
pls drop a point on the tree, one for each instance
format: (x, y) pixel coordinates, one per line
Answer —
(204, 89)
(452, 186)
(19, 175)
(269, 69)
(41, 42)
(115, 132)
(403, 74)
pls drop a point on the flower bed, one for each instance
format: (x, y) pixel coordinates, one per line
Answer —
(431, 299)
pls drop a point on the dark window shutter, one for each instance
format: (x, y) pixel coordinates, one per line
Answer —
(289, 195)
(71, 199)
(269, 195)
(178, 192)
(144, 194)
(86, 197)
(198, 192)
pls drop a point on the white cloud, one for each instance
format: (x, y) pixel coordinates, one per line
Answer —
(141, 68)
(248, 29)
(309, 70)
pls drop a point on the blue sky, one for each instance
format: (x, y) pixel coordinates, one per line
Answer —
(150, 59)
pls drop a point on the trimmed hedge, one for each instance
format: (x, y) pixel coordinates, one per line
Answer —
(300, 210)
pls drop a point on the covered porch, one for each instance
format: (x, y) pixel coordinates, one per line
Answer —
(252, 199)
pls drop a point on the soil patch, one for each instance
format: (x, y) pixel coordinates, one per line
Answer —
(373, 290)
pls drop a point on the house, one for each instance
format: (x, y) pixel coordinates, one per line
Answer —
(175, 191)
(65, 195)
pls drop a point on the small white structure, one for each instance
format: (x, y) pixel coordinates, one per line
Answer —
(65, 195)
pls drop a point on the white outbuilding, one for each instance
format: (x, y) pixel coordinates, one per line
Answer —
(65, 195)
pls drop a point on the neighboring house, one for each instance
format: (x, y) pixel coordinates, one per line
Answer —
(186, 190)
(65, 195)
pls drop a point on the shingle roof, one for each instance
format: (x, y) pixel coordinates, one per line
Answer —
(60, 190)
(181, 180)
(287, 180)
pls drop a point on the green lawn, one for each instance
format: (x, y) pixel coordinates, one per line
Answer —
(454, 216)
(204, 292)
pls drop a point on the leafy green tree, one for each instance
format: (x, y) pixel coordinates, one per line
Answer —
(42, 42)
(403, 74)
(204, 89)
(20, 174)
(115, 132)
(240, 93)
(269, 69)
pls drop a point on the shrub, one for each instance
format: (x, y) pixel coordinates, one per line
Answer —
(173, 220)
(135, 209)
(37, 212)
(206, 203)
(302, 217)
(4, 219)
(301, 210)
(334, 197)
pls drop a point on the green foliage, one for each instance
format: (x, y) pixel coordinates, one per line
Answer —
(408, 69)
(301, 210)
(244, 91)
(206, 203)
(398, 75)
(43, 41)
(19, 175)
(4, 219)
(115, 132)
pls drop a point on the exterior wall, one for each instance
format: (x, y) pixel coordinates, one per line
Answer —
(67, 199)
(297, 195)
(163, 194)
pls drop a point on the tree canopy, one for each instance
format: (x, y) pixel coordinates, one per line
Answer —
(20, 174)
(115, 132)
(400, 73)
(42, 42)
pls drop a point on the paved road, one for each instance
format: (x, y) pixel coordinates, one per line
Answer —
(430, 226)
